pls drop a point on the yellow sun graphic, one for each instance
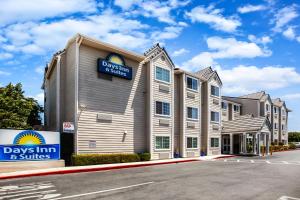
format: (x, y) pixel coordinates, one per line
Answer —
(116, 60)
(29, 139)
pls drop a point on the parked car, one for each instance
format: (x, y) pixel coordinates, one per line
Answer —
(297, 144)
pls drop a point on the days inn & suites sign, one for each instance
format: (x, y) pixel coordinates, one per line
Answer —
(22, 145)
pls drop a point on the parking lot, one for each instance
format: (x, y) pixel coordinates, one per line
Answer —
(276, 177)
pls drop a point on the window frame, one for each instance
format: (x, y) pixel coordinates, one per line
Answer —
(236, 106)
(211, 117)
(211, 86)
(163, 80)
(224, 103)
(163, 102)
(162, 136)
(187, 113)
(196, 90)
(193, 137)
(213, 146)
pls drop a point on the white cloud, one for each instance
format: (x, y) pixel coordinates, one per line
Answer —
(251, 8)
(294, 96)
(4, 56)
(5, 73)
(169, 32)
(33, 38)
(180, 52)
(298, 38)
(223, 48)
(261, 40)
(20, 11)
(214, 18)
(245, 79)
(39, 97)
(39, 70)
(289, 33)
(154, 9)
(284, 16)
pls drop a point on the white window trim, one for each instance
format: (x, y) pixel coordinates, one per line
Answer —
(237, 106)
(218, 142)
(226, 105)
(215, 122)
(212, 93)
(192, 142)
(165, 149)
(161, 115)
(162, 80)
(198, 113)
(190, 89)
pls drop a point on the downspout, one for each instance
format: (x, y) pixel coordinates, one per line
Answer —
(58, 94)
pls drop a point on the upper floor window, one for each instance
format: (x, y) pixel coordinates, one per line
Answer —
(275, 110)
(192, 113)
(267, 107)
(224, 105)
(192, 83)
(162, 108)
(282, 127)
(215, 90)
(236, 108)
(283, 112)
(275, 125)
(162, 74)
(214, 116)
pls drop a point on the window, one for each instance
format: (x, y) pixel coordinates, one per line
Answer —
(267, 107)
(191, 142)
(192, 113)
(275, 125)
(224, 105)
(162, 142)
(162, 108)
(214, 116)
(192, 83)
(214, 142)
(275, 110)
(215, 91)
(282, 127)
(283, 112)
(162, 74)
(236, 108)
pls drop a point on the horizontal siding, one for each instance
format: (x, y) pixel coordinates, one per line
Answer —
(123, 99)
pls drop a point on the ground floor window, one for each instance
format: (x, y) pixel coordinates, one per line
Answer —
(162, 142)
(214, 142)
(192, 142)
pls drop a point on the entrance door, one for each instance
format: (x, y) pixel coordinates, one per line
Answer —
(226, 144)
(236, 144)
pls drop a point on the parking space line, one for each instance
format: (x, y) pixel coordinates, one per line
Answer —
(288, 198)
(103, 191)
(284, 162)
(237, 160)
(268, 162)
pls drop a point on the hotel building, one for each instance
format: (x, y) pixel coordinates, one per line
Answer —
(123, 102)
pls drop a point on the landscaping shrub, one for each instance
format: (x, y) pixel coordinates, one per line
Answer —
(145, 156)
(292, 146)
(280, 143)
(96, 159)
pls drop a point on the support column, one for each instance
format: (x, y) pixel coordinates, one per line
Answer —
(245, 143)
(231, 143)
(241, 143)
(258, 144)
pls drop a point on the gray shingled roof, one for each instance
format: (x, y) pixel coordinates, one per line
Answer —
(205, 73)
(256, 95)
(244, 123)
(277, 102)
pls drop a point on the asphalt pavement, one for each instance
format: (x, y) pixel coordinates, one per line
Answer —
(275, 177)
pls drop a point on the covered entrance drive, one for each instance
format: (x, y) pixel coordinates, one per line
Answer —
(246, 135)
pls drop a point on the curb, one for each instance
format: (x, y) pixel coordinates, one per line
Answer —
(94, 169)
(231, 156)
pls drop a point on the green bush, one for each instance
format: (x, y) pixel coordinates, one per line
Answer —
(145, 156)
(96, 159)
(292, 146)
(280, 143)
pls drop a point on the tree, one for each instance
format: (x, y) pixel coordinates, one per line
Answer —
(294, 136)
(16, 110)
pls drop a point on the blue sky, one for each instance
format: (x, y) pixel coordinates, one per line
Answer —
(254, 45)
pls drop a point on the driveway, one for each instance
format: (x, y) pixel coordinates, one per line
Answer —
(234, 178)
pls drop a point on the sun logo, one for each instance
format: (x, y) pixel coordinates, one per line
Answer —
(29, 138)
(116, 59)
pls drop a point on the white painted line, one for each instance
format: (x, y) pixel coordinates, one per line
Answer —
(40, 187)
(268, 162)
(30, 193)
(225, 160)
(237, 160)
(252, 161)
(103, 191)
(284, 162)
(288, 198)
(30, 197)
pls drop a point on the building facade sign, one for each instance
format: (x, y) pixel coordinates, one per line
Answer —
(114, 65)
(21, 145)
(68, 127)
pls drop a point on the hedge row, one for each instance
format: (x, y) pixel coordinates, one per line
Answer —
(282, 147)
(96, 159)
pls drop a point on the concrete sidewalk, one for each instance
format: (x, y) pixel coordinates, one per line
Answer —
(91, 168)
